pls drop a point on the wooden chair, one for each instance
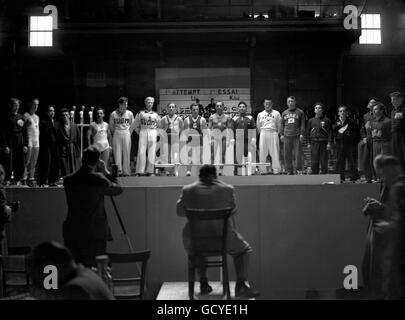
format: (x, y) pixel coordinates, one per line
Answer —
(15, 271)
(208, 234)
(133, 287)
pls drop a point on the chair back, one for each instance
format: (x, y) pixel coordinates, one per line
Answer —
(15, 270)
(130, 287)
(208, 230)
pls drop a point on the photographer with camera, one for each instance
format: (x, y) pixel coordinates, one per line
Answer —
(86, 229)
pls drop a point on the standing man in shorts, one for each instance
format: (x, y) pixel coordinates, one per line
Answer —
(32, 124)
(219, 121)
(172, 124)
(99, 135)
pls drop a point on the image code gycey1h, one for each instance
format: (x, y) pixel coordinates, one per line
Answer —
(202, 150)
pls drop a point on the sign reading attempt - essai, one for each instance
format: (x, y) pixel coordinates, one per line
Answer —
(183, 97)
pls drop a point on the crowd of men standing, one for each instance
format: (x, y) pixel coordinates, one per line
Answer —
(277, 138)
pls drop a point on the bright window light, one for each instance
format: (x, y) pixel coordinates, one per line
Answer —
(41, 31)
(370, 29)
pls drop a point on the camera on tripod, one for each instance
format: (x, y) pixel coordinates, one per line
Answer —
(14, 205)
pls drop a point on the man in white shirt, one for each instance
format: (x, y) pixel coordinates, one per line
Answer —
(268, 127)
(32, 125)
(120, 122)
(146, 124)
(220, 140)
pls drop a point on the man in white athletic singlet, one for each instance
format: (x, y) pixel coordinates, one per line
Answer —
(99, 135)
(219, 121)
(32, 125)
(172, 124)
(121, 121)
(146, 124)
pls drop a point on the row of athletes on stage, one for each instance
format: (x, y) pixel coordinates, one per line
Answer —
(22, 135)
(379, 134)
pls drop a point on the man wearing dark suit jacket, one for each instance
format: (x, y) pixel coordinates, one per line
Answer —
(86, 230)
(210, 193)
(13, 142)
(69, 143)
(48, 167)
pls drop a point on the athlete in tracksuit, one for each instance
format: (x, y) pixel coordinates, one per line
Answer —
(146, 124)
(120, 122)
(292, 134)
(380, 131)
(268, 127)
(193, 127)
(398, 127)
(365, 149)
(319, 133)
(245, 143)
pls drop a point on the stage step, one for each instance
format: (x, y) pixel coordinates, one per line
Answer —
(179, 291)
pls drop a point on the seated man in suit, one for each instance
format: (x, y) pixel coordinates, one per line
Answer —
(75, 282)
(210, 193)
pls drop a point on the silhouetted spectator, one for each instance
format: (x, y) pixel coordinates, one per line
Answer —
(380, 245)
(75, 282)
(397, 224)
(210, 193)
(86, 230)
(5, 210)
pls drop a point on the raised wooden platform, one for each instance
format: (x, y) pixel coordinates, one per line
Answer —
(302, 235)
(267, 180)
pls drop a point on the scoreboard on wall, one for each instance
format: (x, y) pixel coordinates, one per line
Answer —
(184, 97)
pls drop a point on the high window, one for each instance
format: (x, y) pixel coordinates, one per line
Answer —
(40, 29)
(370, 29)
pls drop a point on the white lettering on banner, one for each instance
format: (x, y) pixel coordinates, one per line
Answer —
(183, 97)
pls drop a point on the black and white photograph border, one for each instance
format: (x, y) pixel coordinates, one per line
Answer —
(202, 150)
